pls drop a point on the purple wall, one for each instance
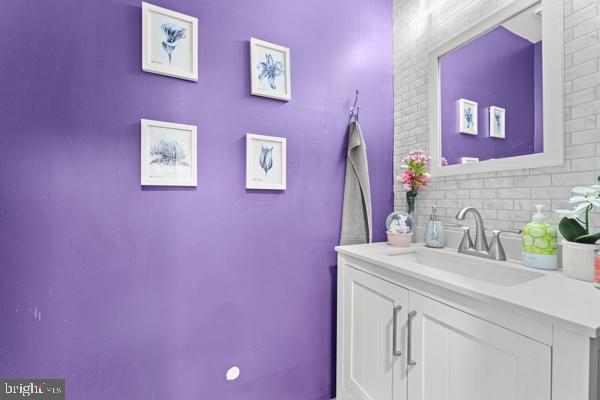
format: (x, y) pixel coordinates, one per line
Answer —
(538, 99)
(154, 293)
(495, 69)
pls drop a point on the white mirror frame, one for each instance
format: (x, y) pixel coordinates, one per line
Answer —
(552, 70)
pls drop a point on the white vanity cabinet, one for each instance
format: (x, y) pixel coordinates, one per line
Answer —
(375, 314)
(456, 356)
(400, 337)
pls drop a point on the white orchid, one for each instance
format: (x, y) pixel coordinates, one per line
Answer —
(572, 214)
(587, 196)
(575, 223)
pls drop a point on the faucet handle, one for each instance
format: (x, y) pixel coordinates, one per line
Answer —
(497, 232)
(466, 242)
(496, 249)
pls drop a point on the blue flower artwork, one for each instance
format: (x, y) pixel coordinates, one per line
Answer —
(265, 159)
(168, 153)
(468, 114)
(173, 34)
(270, 70)
(498, 121)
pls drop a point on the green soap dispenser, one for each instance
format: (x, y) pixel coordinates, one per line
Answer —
(539, 242)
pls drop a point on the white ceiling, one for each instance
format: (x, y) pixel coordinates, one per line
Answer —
(527, 24)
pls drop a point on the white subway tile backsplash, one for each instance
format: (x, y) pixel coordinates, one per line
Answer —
(586, 27)
(573, 178)
(583, 96)
(587, 164)
(584, 109)
(499, 182)
(579, 151)
(545, 193)
(585, 137)
(499, 204)
(483, 193)
(580, 124)
(580, 43)
(506, 198)
(514, 193)
(581, 70)
(533, 180)
(578, 16)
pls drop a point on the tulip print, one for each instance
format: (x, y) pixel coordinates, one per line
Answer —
(498, 122)
(270, 70)
(173, 35)
(266, 158)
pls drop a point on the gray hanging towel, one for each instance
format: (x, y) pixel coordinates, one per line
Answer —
(356, 211)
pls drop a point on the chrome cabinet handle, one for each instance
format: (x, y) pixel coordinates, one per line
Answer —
(395, 352)
(409, 360)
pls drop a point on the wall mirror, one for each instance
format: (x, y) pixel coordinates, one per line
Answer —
(497, 93)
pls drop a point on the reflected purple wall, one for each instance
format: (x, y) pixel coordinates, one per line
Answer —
(496, 69)
(538, 99)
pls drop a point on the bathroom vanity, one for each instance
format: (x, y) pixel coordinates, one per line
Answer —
(432, 324)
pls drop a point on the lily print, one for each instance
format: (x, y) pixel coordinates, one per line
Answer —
(270, 70)
(469, 117)
(265, 159)
(173, 34)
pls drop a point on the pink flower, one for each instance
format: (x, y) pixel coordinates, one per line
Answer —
(415, 176)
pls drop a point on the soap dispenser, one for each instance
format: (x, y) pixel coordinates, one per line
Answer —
(434, 233)
(539, 242)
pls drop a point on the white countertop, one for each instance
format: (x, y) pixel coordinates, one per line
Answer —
(562, 299)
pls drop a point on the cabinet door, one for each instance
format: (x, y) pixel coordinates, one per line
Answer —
(373, 360)
(460, 357)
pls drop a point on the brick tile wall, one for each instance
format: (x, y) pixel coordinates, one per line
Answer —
(506, 198)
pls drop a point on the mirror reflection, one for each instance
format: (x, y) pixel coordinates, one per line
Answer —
(491, 93)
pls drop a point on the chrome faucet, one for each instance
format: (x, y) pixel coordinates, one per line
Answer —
(494, 251)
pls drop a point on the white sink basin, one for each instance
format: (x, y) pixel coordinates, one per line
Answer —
(481, 269)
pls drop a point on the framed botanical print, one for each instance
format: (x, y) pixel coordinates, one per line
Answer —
(467, 115)
(169, 43)
(265, 162)
(168, 154)
(497, 122)
(270, 71)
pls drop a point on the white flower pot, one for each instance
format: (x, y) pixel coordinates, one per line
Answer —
(578, 260)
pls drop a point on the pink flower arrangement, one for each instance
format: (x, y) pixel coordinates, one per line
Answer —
(415, 175)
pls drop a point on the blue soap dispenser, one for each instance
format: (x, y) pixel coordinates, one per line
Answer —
(434, 233)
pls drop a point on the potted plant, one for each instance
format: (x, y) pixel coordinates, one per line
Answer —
(579, 244)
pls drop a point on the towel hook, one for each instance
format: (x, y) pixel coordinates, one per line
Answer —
(355, 108)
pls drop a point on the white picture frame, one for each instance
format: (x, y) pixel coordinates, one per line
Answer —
(469, 160)
(497, 122)
(169, 43)
(265, 162)
(467, 115)
(270, 70)
(168, 154)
